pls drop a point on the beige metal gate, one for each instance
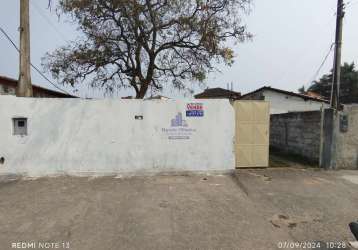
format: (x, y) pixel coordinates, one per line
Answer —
(252, 133)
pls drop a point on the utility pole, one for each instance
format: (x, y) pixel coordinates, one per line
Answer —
(329, 118)
(337, 56)
(24, 87)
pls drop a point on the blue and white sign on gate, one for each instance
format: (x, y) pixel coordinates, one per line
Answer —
(194, 110)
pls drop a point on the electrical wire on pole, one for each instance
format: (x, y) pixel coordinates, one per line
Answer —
(328, 155)
(337, 56)
(31, 64)
(314, 77)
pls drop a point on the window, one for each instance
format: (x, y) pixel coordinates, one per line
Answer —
(19, 126)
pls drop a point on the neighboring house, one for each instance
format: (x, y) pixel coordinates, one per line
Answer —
(282, 101)
(8, 87)
(218, 93)
(158, 97)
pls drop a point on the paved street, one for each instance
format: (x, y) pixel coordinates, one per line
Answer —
(255, 209)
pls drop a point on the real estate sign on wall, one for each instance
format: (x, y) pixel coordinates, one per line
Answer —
(194, 110)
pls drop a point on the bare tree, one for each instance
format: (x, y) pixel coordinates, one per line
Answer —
(147, 43)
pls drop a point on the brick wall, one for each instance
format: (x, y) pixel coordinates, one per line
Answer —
(297, 133)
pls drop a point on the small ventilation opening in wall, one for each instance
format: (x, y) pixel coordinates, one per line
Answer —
(19, 126)
(138, 117)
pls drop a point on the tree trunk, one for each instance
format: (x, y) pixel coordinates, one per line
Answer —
(142, 91)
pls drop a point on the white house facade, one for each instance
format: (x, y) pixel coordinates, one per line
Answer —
(282, 101)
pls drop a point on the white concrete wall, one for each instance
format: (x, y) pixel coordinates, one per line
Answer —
(281, 103)
(74, 136)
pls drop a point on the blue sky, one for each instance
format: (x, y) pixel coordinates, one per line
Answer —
(291, 38)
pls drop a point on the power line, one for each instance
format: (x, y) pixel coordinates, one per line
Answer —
(39, 10)
(322, 64)
(350, 3)
(8, 38)
(302, 57)
(33, 66)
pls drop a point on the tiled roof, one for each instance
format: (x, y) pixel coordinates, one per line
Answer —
(305, 97)
(218, 93)
(13, 82)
